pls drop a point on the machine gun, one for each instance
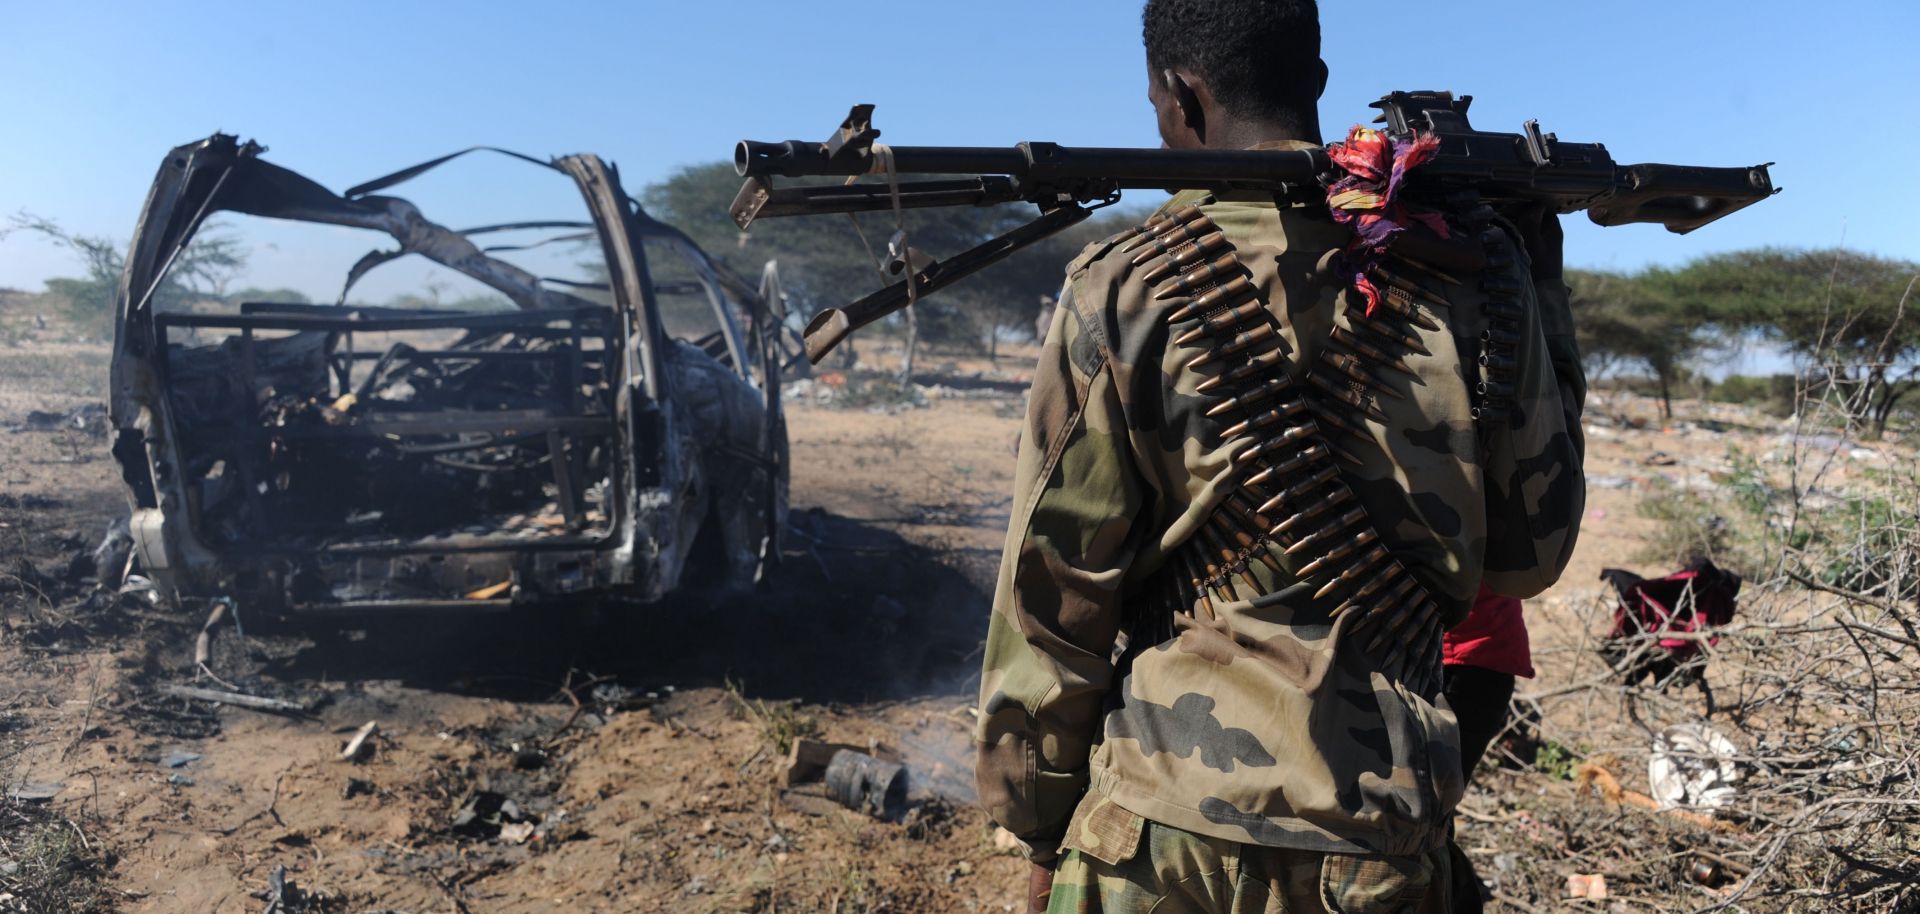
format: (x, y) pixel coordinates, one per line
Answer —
(1069, 183)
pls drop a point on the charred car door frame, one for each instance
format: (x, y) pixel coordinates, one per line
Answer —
(656, 504)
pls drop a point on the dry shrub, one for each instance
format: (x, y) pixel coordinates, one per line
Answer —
(48, 865)
(1816, 683)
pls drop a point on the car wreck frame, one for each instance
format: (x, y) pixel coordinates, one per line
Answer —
(687, 439)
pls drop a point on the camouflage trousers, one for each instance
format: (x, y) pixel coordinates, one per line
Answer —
(1117, 862)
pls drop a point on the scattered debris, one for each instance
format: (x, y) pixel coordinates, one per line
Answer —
(861, 782)
(203, 643)
(485, 813)
(358, 745)
(113, 559)
(1594, 776)
(90, 418)
(34, 793)
(1692, 766)
(1679, 613)
(1587, 886)
(236, 699)
(807, 761)
(529, 758)
(284, 897)
(179, 759)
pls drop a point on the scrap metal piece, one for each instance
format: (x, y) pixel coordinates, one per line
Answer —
(861, 782)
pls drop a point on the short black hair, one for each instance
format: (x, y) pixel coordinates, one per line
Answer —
(1262, 57)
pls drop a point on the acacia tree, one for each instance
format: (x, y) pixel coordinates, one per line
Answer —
(1847, 315)
(204, 269)
(1630, 319)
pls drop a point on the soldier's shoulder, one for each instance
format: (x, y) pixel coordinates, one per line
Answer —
(1101, 257)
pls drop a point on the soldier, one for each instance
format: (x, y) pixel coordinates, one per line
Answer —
(1260, 471)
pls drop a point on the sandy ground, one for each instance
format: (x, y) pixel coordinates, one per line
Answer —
(637, 741)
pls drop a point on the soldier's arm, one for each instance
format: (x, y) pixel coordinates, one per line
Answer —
(1056, 607)
(1536, 481)
(1556, 322)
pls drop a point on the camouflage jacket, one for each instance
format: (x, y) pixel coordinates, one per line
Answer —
(1257, 722)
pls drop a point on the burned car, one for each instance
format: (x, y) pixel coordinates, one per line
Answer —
(620, 432)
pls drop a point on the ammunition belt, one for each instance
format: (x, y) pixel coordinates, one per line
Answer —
(1500, 341)
(1286, 490)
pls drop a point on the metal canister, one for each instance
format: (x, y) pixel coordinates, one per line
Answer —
(873, 786)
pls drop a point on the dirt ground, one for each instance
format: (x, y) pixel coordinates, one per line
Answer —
(607, 757)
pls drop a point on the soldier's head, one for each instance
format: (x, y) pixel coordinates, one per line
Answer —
(1229, 73)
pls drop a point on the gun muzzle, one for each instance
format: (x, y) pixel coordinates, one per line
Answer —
(791, 159)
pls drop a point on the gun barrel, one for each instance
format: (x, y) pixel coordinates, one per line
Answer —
(1122, 168)
(1681, 197)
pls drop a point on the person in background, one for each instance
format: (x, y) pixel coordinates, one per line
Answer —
(1482, 657)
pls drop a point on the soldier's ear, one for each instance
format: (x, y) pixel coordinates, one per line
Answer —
(1192, 113)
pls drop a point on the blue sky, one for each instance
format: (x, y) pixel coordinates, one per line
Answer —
(97, 92)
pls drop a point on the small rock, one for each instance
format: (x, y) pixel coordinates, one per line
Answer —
(179, 780)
